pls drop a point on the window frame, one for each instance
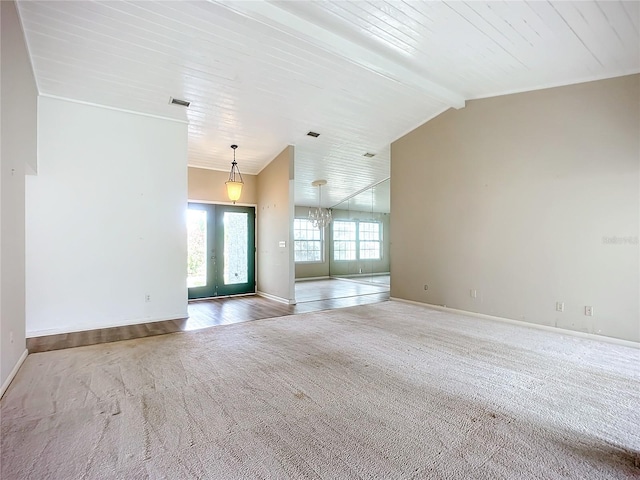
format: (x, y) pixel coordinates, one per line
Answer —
(378, 241)
(334, 241)
(296, 240)
(357, 242)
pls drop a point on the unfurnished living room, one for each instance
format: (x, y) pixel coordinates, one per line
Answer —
(319, 239)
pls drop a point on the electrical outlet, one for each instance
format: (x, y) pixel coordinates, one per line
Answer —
(426, 287)
(560, 306)
(147, 298)
(10, 337)
(588, 311)
(473, 293)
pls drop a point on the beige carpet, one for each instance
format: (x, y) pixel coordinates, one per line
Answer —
(378, 391)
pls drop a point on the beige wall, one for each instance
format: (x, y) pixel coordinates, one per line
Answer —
(209, 186)
(530, 199)
(275, 268)
(17, 155)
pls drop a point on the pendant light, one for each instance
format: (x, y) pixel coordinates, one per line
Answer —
(319, 217)
(235, 183)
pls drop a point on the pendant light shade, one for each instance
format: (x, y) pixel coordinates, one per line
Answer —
(235, 183)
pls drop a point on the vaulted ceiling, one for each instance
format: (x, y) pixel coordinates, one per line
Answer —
(361, 73)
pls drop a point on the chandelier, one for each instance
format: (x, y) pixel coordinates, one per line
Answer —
(319, 217)
(235, 183)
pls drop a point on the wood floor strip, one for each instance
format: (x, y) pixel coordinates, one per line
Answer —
(315, 296)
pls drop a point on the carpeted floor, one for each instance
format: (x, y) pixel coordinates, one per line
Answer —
(389, 391)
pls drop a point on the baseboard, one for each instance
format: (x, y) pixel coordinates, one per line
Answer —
(206, 299)
(307, 279)
(361, 279)
(85, 328)
(275, 298)
(548, 328)
(361, 275)
(13, 373)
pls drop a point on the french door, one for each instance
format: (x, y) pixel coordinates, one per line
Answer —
(221, 250)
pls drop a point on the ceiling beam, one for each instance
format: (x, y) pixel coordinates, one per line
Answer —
(276, 16)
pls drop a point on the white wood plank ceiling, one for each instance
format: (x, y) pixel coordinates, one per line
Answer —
(361, 73)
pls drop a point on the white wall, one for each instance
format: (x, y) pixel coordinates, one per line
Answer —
(105, 219)
(530, 199)
(17, 154)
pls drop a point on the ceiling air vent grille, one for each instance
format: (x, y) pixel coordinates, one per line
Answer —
(369, 155)
(177, 101)
(313, 134)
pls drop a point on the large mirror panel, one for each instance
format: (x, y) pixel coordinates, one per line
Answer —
(359, 236)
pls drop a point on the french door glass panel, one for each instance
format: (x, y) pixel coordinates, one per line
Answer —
(197, 242)
(235, 250)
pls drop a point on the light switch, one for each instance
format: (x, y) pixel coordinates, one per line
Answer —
(283, 244)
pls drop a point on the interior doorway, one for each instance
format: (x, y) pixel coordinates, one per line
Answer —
(221, 250)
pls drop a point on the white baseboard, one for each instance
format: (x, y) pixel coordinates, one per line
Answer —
(362, 280)
(275, 298)
(361, 275)
(85, 328)
(13, 373)
(307, 279)
(548, 328)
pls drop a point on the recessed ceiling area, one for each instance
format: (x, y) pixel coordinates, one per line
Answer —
(263, 74)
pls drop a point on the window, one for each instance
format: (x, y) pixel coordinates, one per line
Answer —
(354, 240)
(344, 240)
(369, 241)
(307, 241)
